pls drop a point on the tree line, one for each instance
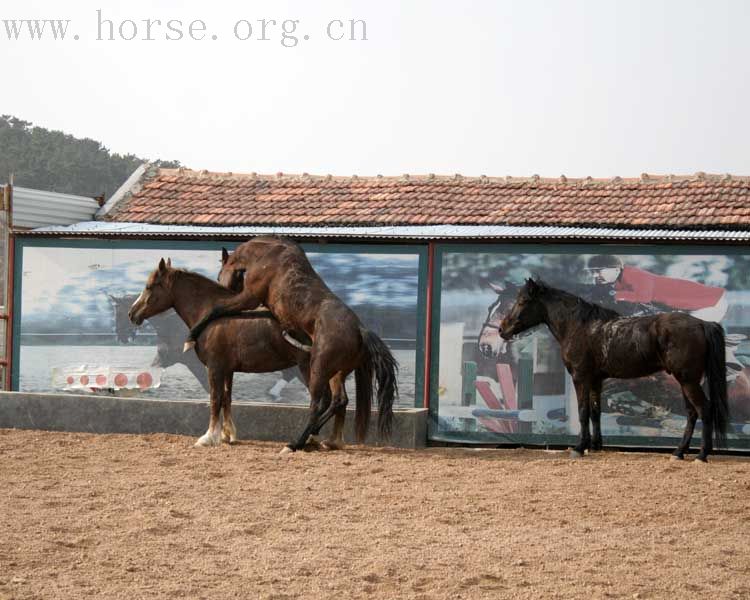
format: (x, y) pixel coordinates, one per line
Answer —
(59, 162)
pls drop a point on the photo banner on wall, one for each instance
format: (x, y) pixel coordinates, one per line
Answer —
(489, 390)
(74, 334)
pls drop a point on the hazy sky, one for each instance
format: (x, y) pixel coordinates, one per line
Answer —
(597, 87)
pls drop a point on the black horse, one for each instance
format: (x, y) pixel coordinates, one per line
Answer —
(597, 343)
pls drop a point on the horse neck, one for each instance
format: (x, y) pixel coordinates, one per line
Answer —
(559, 315)
(193, 297)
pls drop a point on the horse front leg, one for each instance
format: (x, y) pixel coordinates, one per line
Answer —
(212, 437)
(228, 429)
(595, 396)
(584, 413)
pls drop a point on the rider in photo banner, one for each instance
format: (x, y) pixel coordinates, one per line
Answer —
(616, 283)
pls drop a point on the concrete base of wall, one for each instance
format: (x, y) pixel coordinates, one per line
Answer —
(107, 414)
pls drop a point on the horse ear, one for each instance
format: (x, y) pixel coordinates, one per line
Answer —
(224, 256)
(162, 266)
(532, 286)
(169, 263)
(496, 287)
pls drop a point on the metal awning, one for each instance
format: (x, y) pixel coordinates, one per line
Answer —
(397, 232)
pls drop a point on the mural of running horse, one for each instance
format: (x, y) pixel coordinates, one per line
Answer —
(251, 342)
(598, 343)
(170, 337)
(275, 272)
(170, 332)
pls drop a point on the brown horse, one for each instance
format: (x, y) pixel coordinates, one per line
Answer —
(598, 343)
(251, 343)
(275, 272)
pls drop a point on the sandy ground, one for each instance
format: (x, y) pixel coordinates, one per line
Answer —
(121, 516)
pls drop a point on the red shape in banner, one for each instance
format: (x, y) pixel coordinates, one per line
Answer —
(70, 380)
(101, 380)
(121, 380)
(84, 379)
(144, 380)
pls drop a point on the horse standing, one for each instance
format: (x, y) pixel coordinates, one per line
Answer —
(275, 272)
(598, 343)
(250, 343)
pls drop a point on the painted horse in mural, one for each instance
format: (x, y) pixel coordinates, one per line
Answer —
(170, 337)
(598, 343)
(252, 342)
(170, 332)
(275, 272)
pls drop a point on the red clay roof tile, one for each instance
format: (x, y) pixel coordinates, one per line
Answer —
(183, 197)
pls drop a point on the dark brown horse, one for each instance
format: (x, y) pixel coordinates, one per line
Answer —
(275, 272)
(598, 343)
(249, 343)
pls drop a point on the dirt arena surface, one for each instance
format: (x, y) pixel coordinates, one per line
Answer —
(122, 516)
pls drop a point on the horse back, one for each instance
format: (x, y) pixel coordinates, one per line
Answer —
(639, 346)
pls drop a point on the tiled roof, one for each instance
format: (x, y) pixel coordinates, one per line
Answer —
(184, 197)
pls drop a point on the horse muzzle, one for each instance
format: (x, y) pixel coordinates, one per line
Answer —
(134, 316)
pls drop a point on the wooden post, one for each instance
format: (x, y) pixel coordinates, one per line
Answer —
(469, 388)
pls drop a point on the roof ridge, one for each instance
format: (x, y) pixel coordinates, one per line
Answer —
(644, 178)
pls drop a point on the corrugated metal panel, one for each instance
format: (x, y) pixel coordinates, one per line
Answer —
(37, 208)
(410, 232)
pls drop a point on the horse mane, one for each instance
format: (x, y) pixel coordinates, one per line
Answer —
(583, 311)
(200, 279)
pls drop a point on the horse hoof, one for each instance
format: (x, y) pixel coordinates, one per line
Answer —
(576, 454)
(286, 450)
(204, 444)
(331, 445)
(188, 346)
(700, 461)
(676, 457)
(312, 443)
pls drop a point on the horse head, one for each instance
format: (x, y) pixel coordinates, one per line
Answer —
(491, 345)
(156, 297)
(231, 275)
(527, 311)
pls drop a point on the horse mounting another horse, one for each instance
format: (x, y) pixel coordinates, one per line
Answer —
(598, 343)
(275, 272)
(252, 342)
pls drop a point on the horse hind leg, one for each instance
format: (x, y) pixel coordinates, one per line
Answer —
(212, 437)
(687, 435)
(698, 399)
(228, 429)
(596, 416)
(319, 407)
(340, 398)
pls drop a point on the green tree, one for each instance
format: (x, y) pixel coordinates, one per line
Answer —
(59, 162)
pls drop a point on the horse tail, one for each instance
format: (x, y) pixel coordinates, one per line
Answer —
(716, 378)
(363, 377)
(378, 361)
